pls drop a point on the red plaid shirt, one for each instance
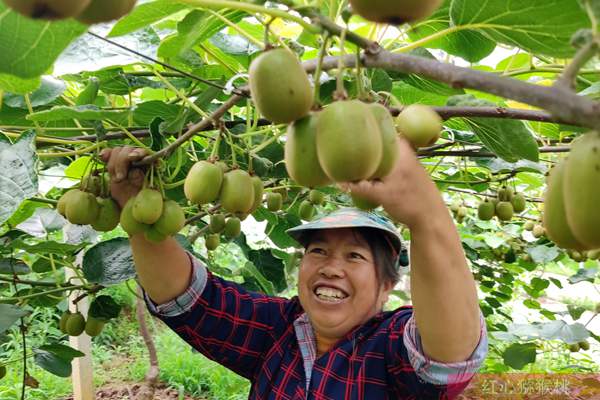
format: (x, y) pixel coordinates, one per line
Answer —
(269, 341)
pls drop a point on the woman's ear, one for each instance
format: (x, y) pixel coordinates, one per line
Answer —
(384, 296)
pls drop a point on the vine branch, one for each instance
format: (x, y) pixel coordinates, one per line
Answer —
(585, 54)
(476, 153)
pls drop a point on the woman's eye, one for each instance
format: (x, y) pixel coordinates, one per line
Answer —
(357, 255)
(316, 250)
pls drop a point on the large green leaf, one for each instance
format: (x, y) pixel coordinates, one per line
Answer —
(539, 26)
(42, 222)
(470, 45)
(82, 113)
(511, 140)
(144, 15)
(30, 47)
(10, 314)
(14, 84)
(518, 355)
(56, 358)
(109, 263)
(10, 266)
(104, 308)
(18, 177)
(50, 89)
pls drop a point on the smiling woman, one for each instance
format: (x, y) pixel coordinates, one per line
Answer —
(333, 340)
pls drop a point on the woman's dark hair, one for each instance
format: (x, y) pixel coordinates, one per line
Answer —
(383, 253)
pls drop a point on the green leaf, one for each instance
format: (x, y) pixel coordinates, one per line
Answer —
(543, 254)
(104, 308)
(251, 272)
(511, 140)
(82, 113)
(30, 47)
(584, 274)
(144, 15)
(14, 84)
(575, 311)
(10, 266)
(470, 45)
(18, 177)
(109, 263)
(52, 363)
(519, 355)
(539, 26)
(42, 222)
(10, 314)
(46, 247)
(49, 90)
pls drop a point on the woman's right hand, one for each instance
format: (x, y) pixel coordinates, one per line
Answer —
(125, 181)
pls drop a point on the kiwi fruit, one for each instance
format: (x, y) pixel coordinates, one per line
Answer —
(554, 218)
(237, 192)
(128, 222)
(389, 140)
(584, 345)
(100, 11)
(63, 321)
(504, 211)
(274, 201)
(395, 12)
(75, 325)
(217, 223)
(172, 219)
(154, 236)
(82, 208)
(93, 326)
(420, 125)
(92, 184)
(147, 206)
(538, 231)
(594, 254)
(581, 190)
(519, 203)
(61, 207)
(48, 9)
(316, 197)
(486, 210)
(362, 203)
(528, 226)
(349, 143)
(233, 228)
(307, 210)
(505, 193)
(301, 157)
(108, 215)
(574, 347)
(203, 183)
(279, 86)
(259, 189)
(212, 241)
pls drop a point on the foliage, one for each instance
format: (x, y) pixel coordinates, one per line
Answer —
(67, 94)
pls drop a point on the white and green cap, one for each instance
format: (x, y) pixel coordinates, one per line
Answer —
(355, 218)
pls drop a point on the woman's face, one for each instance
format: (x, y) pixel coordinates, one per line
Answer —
(337, 282)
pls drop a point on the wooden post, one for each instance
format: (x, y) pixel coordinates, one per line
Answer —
(83, 382)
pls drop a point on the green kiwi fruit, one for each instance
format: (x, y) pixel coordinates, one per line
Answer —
(389, 140)
(172, 219)
(82, 208)
(217, 223)
(420, 125)
(280, 87)
(128, 222)
(203, 183)
(108, 216)
(395, 12)
(48, 9)
(349, 143)
(105, 11)
(93, 326)
(274, 201)
(75, 325)
(301, 157)
(233, 228)
(237, 192)
(148, 206)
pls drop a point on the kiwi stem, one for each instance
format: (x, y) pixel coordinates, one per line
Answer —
(318, 70)
(173, 185)
(38, 128)
(47, 292)
(340, 90)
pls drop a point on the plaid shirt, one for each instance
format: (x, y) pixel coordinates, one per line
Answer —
(270, 341)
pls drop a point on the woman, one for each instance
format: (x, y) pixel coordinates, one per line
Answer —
(333, 341)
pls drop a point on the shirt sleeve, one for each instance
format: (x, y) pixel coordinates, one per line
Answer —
(439, 373)
(224, 321)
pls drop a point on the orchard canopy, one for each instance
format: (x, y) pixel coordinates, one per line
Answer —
(262, 106)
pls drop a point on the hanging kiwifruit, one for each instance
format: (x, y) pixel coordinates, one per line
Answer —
(280, 87)
(554, 218)
(348, 141)
(203, 182)
(212, 241)
(581, 190)
(48, 9)
(389, 140)
(237, 192)
(93, 326)
(274, 201)
(129, 224)
(504, 211)
(108, 215)
(519, 203)
(486, 210)
(301, 159)
(148, 206)
(259, 189)
(75, 325)
(233, 228)
(217, 223)
(82, 208)
(105, 11)
(63, 321)
(307, 210)
(172, 219)
(395, 12)
(420, 125)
